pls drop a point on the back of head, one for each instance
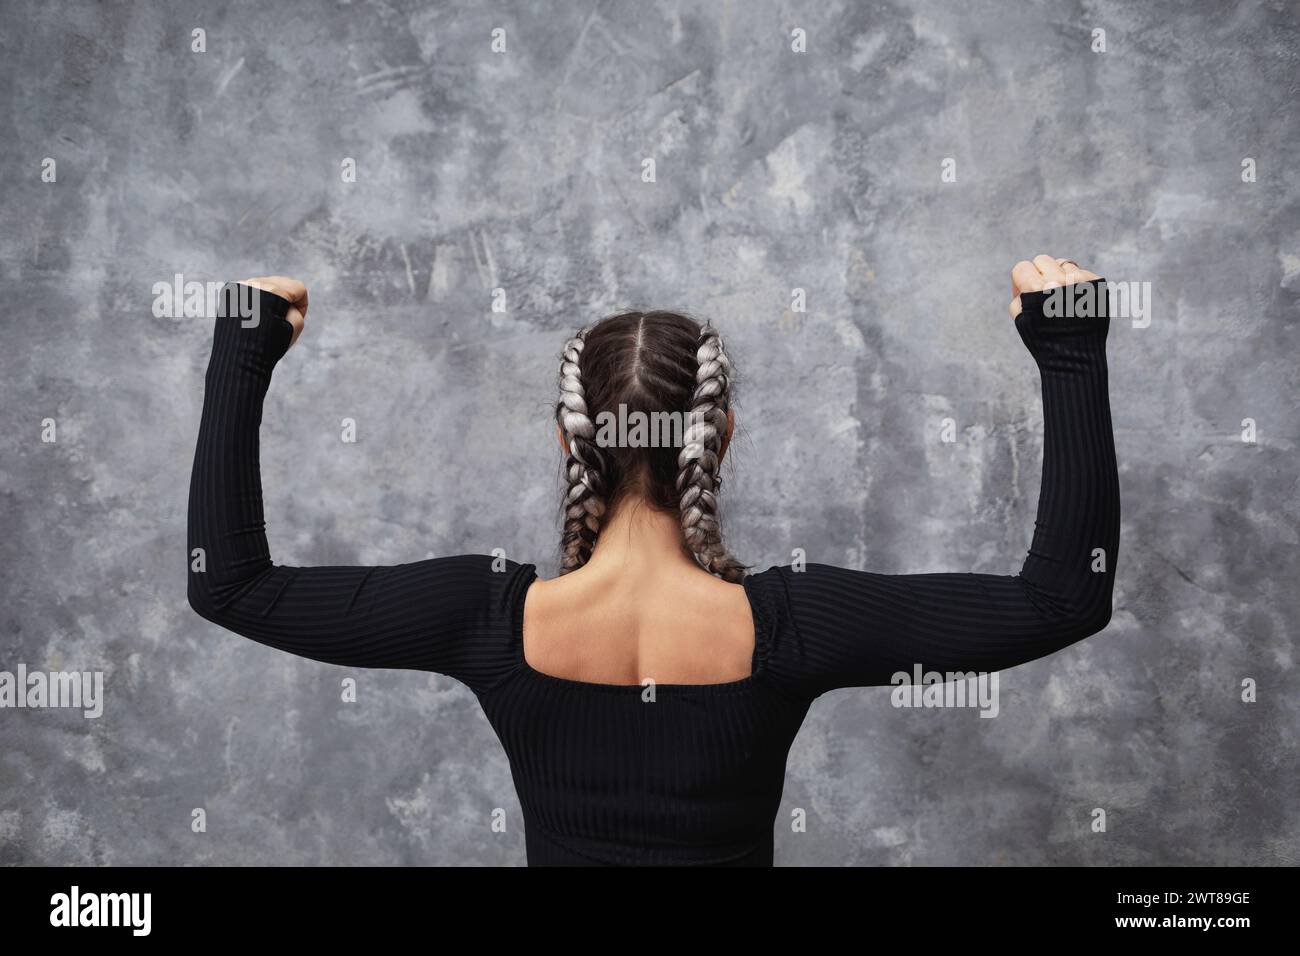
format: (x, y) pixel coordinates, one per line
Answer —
(645, 364)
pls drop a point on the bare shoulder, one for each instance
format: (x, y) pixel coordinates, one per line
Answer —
(725, 593)
(548, 595)
(719, 608)
(688, 593)
(540, 604)
(734, 601)
(678, 628)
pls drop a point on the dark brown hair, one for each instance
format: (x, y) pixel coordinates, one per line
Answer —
(647, 362)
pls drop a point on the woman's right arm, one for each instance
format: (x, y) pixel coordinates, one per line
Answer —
(855, 628)
(449, 615)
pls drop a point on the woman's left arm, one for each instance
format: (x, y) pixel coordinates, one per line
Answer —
(442, 614)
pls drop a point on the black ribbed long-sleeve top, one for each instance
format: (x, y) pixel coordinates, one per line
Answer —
(692, 774)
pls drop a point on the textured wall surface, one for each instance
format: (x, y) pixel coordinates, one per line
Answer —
(521, 171)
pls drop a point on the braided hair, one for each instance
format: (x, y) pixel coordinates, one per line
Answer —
(649, 362)
(584, 498)
(699, 479)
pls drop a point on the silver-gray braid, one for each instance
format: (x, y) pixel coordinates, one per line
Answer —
(699, 462)
(584, 502)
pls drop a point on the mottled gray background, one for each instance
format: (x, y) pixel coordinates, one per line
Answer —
(775, 171)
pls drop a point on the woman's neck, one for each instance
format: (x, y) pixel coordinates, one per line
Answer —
(635, 536)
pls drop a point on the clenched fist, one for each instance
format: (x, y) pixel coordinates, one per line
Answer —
(1043, 273)
(292, 290)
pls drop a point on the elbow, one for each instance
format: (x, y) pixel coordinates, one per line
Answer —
(199, 605)
(1089, 618)
(1072, 618)
(200, 599)
(1097, 610)
(1096, 619)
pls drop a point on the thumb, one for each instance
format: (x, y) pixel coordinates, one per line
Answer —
(297, 320)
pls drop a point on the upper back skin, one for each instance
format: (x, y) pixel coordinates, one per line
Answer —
(672, 625)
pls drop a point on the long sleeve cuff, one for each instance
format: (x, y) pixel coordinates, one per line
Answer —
(252, 331)
(1059, 326)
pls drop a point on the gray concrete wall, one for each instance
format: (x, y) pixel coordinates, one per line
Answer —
(522, 171)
